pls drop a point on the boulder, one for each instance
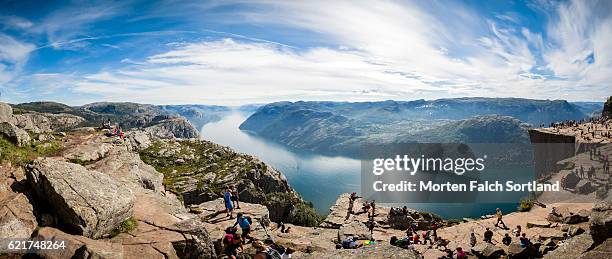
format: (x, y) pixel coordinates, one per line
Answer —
(46, 122)
(77, 246)
(16, 216)
(585, 187)
(574, 231)
(88, 152)
(6, 112)
(139, 140)
(486, 250)
(575, 218)
(129, 169)
(516, 251)
(572, 248)
(356, 229)
(600, 224)
(86, 202)
(18, 136)
(538, 224)
(173, 128)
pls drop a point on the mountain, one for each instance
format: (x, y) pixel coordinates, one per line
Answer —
(198, 115)
(128, 115)
(592, 109)
(341, 127)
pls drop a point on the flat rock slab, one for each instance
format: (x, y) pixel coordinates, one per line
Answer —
(538, 224)
(16, 216)
(77, 246)
(87, 202)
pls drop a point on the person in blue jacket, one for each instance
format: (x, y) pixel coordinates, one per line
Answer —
(227, 199)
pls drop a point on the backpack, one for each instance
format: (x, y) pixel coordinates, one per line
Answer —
(272, 254)
(248, 219)
(228, 238)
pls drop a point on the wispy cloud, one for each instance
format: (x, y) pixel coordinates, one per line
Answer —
(13, 56)
(387, 50)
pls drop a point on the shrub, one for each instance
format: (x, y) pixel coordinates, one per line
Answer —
(525, 204)
(125, 227)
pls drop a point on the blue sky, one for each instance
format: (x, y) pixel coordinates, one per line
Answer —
(238, 52)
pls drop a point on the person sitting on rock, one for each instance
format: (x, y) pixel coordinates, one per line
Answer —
(517, 231)
(499, 215)
(524, 241)
(460, 254)
(441, 242)
(349, 243)
(488, 236)
(507, 239)
(244, 224)
(227, 199)
(287, 254)
(264, 252)
(231, 243)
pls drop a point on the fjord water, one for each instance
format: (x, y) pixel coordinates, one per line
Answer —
(318, 178)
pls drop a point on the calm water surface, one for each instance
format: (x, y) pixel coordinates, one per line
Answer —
(319, 179)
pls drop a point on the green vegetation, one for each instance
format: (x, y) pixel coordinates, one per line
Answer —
(525, 205)
(126, 226)
(202, 166)
(304, 214)
(210, 164)
(23, 155)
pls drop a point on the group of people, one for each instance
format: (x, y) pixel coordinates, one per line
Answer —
(588, 174)
(233, 243)
(231, 200)
(588, 129)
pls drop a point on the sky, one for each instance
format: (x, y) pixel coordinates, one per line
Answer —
(260, 51)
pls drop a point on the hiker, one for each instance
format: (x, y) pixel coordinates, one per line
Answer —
(235, 198)
(405, 210)
(373, 205)
(427, 237)
(245, 224)
(264, 252)
(488, 236)
(370, 225)
(460, 254)
(472, 239)
(499, 215)
(227, 199)
(524, 241)
(507, 239)
(517, 231)
(354, 196)
(434, 228)
(441, 242)
(287, 254)
(231, 243)
(415, 238)
(366, 207)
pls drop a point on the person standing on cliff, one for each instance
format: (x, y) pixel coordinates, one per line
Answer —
(235, 198)
(499, 215)
(227, 199)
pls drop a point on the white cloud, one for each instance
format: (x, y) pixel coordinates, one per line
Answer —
(13, 56)
(387, 50)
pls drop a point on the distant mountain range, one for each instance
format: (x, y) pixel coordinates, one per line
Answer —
(341, 127)
(130, 115)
